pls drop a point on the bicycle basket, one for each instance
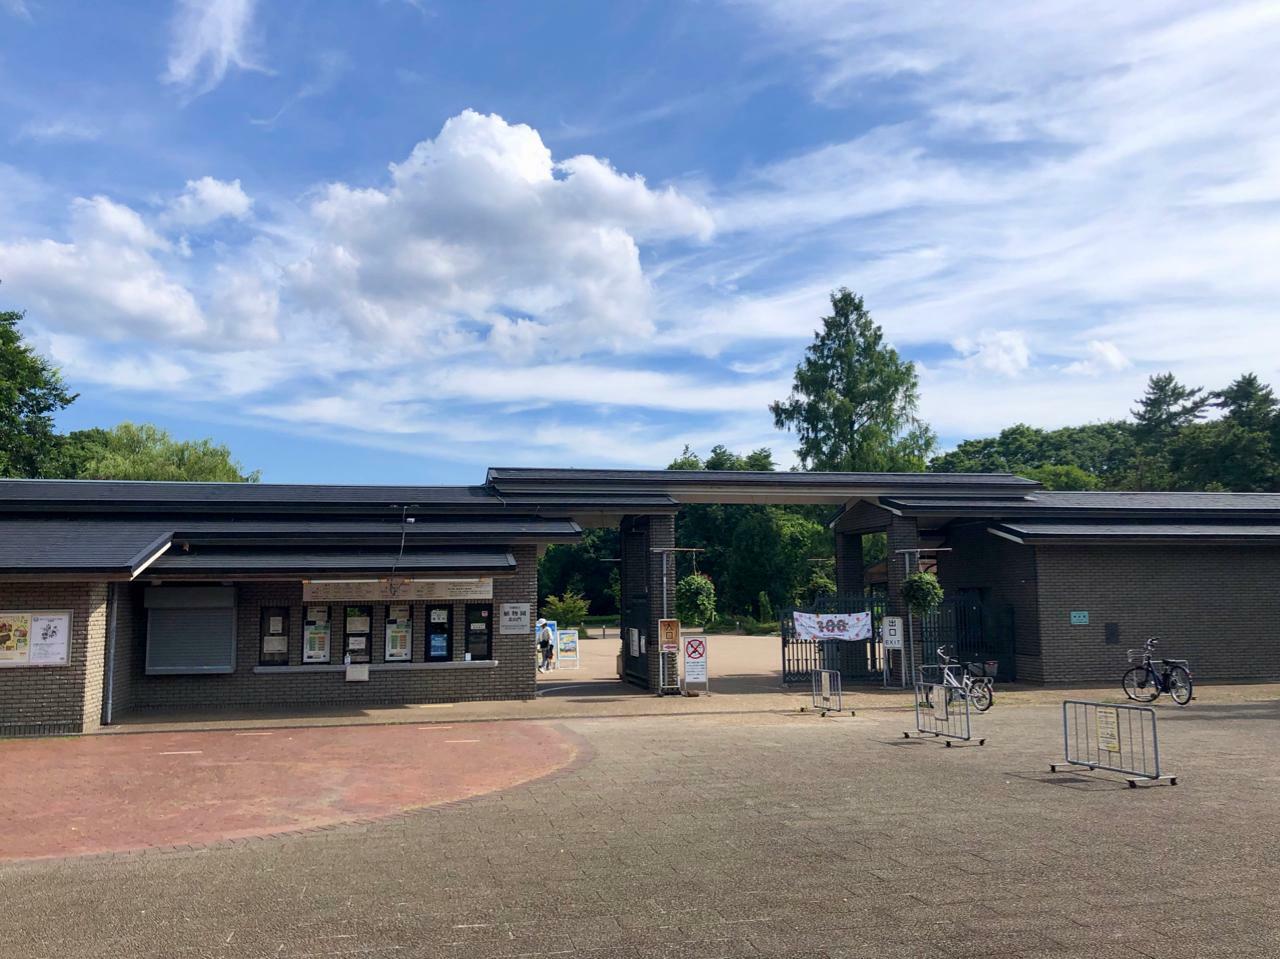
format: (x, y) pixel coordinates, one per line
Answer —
(987, 669)
(1137, 656)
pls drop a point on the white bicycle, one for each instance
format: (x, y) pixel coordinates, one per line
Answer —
(967, 681)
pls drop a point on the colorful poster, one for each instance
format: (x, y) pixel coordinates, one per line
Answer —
(820, 626)
(15, 637)
(568, 643)
(399, 634)
(315, 635)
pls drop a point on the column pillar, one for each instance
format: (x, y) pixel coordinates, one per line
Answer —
(849, 580)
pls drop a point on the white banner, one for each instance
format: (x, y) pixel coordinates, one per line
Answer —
(848, 626)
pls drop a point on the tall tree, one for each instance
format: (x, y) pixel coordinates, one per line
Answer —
(854, 400)
(31, 392)
(1239, 452)
(1161, 414)
(141, 451)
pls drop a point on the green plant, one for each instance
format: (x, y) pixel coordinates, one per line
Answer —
(696, 600)
(568, 609)
(765, 607)
(922, 593)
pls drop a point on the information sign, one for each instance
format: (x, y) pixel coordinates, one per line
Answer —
(513, 619)
(35, 637)
(1108, 729)
(695, 659)
(669, 635)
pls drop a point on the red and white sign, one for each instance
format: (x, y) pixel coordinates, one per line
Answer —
(695, 659)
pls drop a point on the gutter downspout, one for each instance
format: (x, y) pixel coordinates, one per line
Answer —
(113, 602)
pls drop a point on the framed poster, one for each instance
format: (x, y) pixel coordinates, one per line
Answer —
(35, 638)
(315, 635)
(439, 633)
(399, 640)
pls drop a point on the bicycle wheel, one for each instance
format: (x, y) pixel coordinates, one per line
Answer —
(1140, 685)
(980, 695)
(1180, 687)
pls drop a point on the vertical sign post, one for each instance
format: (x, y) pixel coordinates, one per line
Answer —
(668, 653)
(891, 634)
(695, 661)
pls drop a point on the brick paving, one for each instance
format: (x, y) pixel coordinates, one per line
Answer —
(724, 836)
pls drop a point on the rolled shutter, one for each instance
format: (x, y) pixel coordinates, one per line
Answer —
(190, 630)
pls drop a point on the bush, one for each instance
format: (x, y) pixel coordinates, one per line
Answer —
(696, 600)
(567, 610)
(922, 593)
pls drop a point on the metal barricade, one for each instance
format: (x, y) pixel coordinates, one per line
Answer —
(940, 711)
(827, 695)
(1117, 737)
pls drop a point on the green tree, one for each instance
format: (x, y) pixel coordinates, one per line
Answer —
(1092, 456)
(922, 593)
(1163, 411)
(588, 567)
(31, 392)
(566, 610)
(696, 600)
(854, 401)
(1239, 452)
(141, 451)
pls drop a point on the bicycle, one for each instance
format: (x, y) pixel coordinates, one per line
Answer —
(977, 687)
(1143, 683)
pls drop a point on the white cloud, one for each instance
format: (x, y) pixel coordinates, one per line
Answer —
(58, 130)
(206, 200)
(17, 8)
(481, 233)
(1004, 352)
(1101, 356)
(208, 38)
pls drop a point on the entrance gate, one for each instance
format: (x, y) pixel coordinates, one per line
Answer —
(976, 632)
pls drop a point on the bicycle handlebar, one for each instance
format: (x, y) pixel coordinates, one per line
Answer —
(1152, 642)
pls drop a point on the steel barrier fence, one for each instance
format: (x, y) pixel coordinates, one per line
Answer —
(827, 695)
(1117, 737)
(941, 715)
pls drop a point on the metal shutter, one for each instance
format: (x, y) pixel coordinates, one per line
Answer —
(190, 630)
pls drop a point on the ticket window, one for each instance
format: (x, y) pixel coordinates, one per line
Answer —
(439, 634)
(398, 647)
(479, 637)
(274, 633)
(357, 632)
(316, 632)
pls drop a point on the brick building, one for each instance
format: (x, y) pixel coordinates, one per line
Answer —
(119, 597)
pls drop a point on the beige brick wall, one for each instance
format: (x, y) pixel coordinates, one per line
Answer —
(57, 699)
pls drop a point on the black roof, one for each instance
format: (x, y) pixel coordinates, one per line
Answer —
(1045, 532)
(121, 546)
(282, 562)
(1043, 503)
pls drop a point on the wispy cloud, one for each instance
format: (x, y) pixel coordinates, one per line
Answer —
(58, 130)
(208, 38)
(331, 65)
(16, 8)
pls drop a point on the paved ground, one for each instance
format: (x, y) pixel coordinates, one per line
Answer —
(733, 835)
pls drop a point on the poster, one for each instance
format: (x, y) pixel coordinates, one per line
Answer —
(30, 638)
(669, 635)
(1108, 728)
(275, 645)
(275, 624)
(440, 615)
(823, 626)
(315, 635)
(513, 619)
(633, 636)
(399, 634)
(438, 645)
(695, 659)
(357, 620)
(567, 648)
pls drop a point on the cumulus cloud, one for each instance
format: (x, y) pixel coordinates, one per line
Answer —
(481, 233)
(208, 38)
(1100, 356)
(1004, 352)
(207, 200)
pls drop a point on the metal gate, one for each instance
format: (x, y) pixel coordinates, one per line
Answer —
(635, 659)
(855, 661)
(976, 632)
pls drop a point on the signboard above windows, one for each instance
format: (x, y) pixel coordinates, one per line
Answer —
(399, 590)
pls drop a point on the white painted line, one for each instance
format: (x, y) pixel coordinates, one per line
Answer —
(183, 752)
(433, 728)
(433, 706)
(462, 740)
(253, 734)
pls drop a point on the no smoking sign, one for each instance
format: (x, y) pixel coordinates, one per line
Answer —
(695, 660)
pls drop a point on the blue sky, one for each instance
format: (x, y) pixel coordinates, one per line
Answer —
(400, 241)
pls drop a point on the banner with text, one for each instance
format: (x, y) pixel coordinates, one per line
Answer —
(820, 626)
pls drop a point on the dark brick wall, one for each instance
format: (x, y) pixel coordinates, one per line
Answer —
(849, 563)
(900, 532)
(1214, 605)
(662, 534)
(512, 678)
(1006, 572)
(57, 699)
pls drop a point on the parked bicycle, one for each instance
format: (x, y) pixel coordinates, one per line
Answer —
(1143, 683)
(963, 681)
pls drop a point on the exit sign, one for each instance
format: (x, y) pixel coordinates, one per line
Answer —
(1079, 617)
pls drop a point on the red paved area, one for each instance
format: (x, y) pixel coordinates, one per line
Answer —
(97, 794)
